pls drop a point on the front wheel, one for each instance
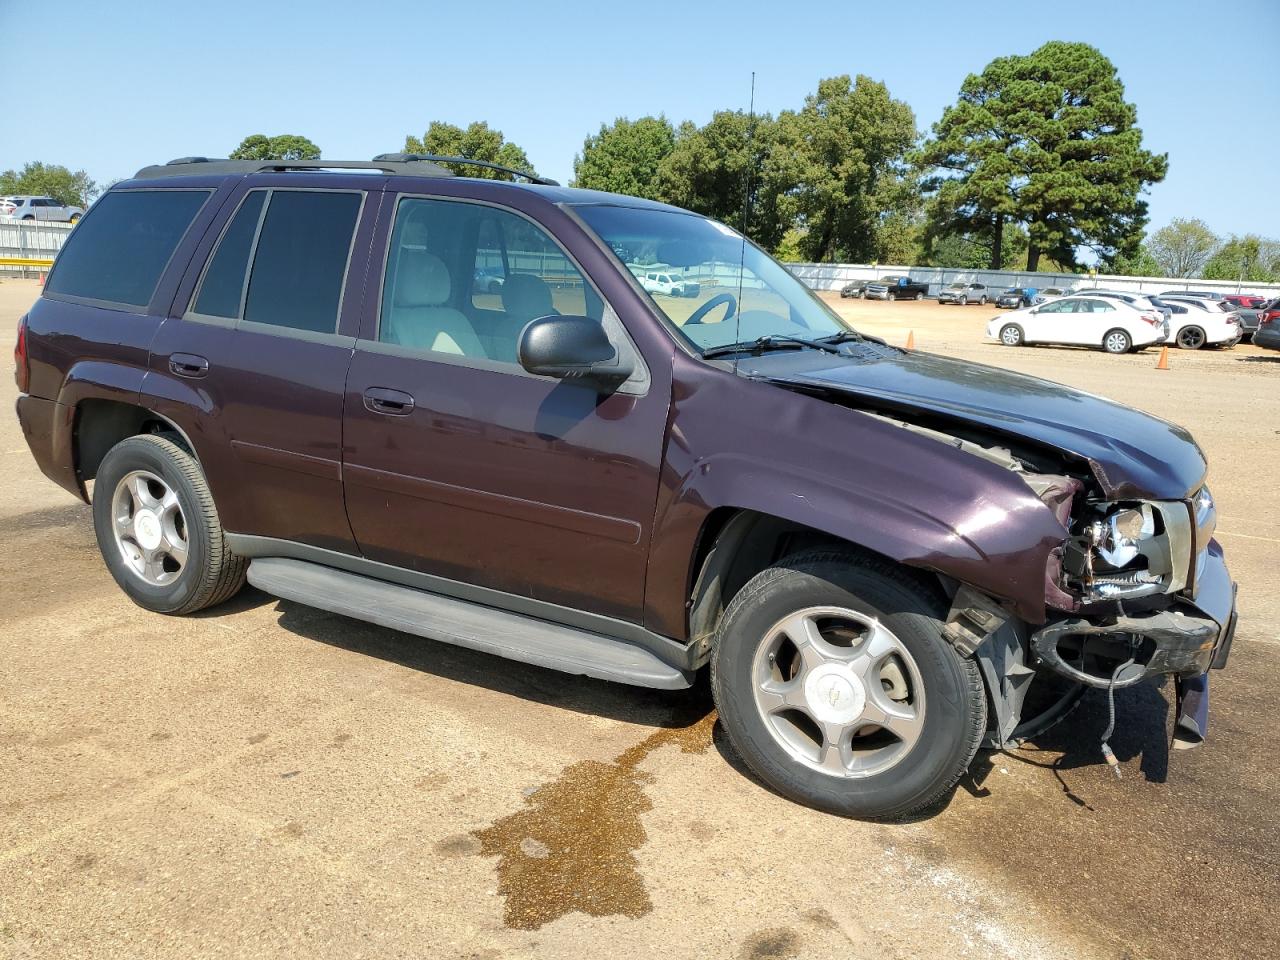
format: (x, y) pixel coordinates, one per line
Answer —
(158, 528)
(982, 301)
(74, 218)
(1011, 335)
(836, 686)
(1117, 341)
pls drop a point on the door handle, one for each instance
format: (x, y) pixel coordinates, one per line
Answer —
(392, 403)
(188, 365)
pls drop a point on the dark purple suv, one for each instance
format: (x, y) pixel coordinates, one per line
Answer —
(287, 373)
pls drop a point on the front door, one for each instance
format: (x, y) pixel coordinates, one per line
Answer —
(458, 463)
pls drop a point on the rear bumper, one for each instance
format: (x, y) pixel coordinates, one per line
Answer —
(47, 426)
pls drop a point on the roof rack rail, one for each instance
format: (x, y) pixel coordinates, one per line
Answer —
(215, 166)
(437, 159)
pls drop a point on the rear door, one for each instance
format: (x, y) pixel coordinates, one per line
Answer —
(458, 463)
(252, 361)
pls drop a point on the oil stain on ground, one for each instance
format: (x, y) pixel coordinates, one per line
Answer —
(572, 847)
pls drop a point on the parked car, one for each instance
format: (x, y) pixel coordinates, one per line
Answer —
(1138, 300)
(854, 288)
(897, 288)
(1202, 294)
(1094, 321)
(39, 208)
(1014, 297)
(1054, 292)
(1247, 301)
(488, 279)
(1206, 323)
(964, 293)
(1249, 319)
(663, 282)
(1268, 333)
(277, 372)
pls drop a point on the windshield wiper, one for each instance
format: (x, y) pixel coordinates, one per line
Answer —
(844, 336)
(774, 341)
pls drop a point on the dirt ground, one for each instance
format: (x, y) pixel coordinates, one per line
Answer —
(270, 780)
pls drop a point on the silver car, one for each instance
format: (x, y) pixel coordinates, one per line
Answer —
(38, 208)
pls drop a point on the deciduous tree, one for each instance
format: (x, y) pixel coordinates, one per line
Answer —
(477, 142)
(625, 157)
(1182, 248)
(286, 146)
(1250, 258)
(52, 180)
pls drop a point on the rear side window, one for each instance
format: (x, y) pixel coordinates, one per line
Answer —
(223, 283)
(300, 262)
(119, 251)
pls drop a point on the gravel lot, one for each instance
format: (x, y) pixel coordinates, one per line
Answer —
(265, 779)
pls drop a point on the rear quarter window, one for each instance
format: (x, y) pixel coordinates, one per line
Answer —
(120, 249)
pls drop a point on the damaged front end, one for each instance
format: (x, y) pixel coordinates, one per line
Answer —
(1137, 591)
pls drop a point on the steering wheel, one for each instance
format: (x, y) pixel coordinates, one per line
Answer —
(702, 311)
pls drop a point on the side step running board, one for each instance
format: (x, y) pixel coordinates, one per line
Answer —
(510, 635)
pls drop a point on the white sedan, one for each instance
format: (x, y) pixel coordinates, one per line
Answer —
(1200, 321)
(1113, 325)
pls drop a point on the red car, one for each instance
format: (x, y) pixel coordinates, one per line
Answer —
(1246, 300)
(1269, 312)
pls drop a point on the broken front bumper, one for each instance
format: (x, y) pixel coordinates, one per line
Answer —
(1185, 640)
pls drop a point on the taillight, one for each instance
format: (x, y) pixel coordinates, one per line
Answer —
(1151, 319)
(21, 368)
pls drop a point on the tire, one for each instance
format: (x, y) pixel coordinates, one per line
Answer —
(73, 218)
(1011, 335)
(1191, 338)
(862, 294)
(919, 296)
(963, 301)
(944, 701)
(209, 572)
(1117, 341)
(982, 302)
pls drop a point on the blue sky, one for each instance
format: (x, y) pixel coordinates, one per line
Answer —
(111, 87)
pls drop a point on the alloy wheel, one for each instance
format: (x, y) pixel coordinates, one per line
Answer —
(1191, 338)
(150, 528)
(839, 692)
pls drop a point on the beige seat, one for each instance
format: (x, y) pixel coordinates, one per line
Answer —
(524, 298)
(417, 317)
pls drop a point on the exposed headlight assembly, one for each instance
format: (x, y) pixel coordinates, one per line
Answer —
(1123, 551)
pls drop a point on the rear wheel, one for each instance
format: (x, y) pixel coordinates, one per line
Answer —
(74, 217)
(1117, 341)
(963, 301)
(1011, 335)
(836, 686)
(158, 528)
(919, 295)
(1191, 338)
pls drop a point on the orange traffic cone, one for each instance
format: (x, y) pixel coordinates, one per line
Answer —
(911, 340)
(1163, 363)
(42, 278)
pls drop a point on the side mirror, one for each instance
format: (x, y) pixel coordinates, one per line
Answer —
(571, 348)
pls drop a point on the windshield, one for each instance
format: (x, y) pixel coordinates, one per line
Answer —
(732, 292)
(955, 286)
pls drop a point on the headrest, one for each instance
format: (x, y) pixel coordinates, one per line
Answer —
(422, 280)
(527, 296)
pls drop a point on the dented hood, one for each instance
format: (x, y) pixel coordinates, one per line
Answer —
(1132, 454)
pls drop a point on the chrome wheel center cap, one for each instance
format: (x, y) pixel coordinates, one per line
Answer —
(147, 530)
(834, 695)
